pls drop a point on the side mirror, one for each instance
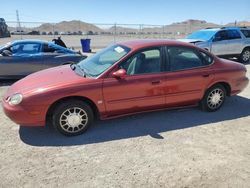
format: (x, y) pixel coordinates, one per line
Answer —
(121, 73)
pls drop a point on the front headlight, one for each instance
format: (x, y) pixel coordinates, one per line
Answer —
(15, 99)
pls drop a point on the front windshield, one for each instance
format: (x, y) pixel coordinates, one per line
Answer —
(203, 35)
(95, 65)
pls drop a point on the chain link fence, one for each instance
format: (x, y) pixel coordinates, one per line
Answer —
(101, 34)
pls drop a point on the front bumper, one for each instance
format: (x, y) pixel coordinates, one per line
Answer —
(25, 116)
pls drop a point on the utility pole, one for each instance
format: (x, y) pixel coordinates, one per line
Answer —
(115, 33)
(18, 23)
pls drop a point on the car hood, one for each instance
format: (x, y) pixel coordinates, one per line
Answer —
(191, 40)
(58, 77)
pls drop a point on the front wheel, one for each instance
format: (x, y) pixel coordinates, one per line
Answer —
(213, 98)
(72, 117)
(245, 56)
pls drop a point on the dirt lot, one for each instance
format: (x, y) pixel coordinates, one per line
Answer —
(181, 148)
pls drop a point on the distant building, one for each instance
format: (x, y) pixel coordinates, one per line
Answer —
(3, 29)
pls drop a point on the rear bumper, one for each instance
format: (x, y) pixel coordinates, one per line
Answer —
(25, 116)
(240, 85)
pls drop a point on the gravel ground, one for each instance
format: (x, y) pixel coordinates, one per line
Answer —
(180, 148)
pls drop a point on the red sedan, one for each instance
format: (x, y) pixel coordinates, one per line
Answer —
(125, 78)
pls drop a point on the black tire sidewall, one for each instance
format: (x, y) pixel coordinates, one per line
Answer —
(69, 104)
(241, 56)
(204, 104)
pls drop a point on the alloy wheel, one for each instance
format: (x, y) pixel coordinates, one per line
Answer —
(246, 55)
(215, 98)
(73, 120)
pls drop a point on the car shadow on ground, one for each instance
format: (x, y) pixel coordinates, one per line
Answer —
(138, 125)
(4, 82)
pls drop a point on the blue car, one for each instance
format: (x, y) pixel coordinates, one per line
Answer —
(23, 57)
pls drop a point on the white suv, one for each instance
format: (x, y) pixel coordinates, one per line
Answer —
(224, 42)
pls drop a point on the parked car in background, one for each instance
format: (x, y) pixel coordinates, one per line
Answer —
(33, 33)
(23, 57)
(125, 78)
(224, 42)
(19, 32)
(4, 32)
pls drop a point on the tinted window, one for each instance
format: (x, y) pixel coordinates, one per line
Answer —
(27, 48)
(47, 48)
(246, 33)
(233, 34)
(51, 48)
(181, 58)
(207, 59)
(148, 61)
(221, 35)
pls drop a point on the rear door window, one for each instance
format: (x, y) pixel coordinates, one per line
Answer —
(182, 58)
(233, 34)
(51, 48)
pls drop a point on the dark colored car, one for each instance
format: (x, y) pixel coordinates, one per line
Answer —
(123, 79)
(21, 58)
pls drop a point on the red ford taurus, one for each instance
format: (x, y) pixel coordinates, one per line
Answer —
(125, 78)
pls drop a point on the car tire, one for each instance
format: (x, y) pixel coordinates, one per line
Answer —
(213, 98)
(72, 117)
(245, 56)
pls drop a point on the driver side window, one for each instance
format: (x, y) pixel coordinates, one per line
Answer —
(144, 62)
(221, 35)
(25, 48)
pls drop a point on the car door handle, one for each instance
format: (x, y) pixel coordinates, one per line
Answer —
(206, 75)
(156, 82)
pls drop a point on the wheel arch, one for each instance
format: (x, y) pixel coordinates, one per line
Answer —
(80, 98)
(246, 47)
(226, 85)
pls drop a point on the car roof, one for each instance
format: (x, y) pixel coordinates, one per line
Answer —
(211, 29)
(147, 43)
(29, 41)
(225, 28)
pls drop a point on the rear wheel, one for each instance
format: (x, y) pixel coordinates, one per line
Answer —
(72, 117)
(245, 55)
(214, 98)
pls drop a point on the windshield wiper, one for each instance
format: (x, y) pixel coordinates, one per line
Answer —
(73, 66)
(76, 67)
(83, 71)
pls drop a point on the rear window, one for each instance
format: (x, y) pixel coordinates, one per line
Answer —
(246, 33)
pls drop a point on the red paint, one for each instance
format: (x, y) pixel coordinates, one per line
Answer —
(115, 96)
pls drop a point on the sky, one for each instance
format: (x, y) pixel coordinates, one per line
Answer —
(155, 12)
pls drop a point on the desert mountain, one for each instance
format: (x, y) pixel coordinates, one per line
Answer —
(241, 24)
(184, 27)
(70, 26)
